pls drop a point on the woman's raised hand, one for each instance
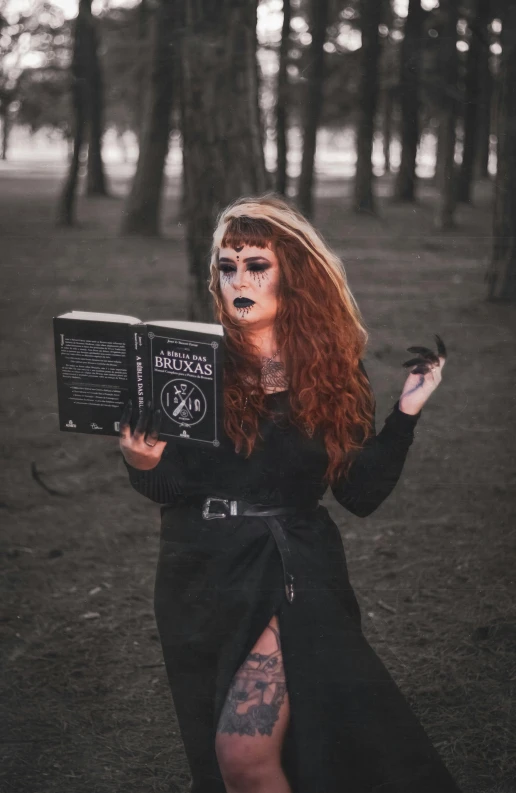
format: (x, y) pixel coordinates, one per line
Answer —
(424, 378)
(141, 448)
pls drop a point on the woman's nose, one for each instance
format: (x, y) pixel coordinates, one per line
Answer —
(241, 279)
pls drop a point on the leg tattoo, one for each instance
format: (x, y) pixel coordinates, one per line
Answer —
(256, 694)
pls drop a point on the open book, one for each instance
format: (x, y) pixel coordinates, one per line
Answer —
(103, 360)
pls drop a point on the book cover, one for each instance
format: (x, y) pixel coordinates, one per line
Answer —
(186, 382)
(103, 360)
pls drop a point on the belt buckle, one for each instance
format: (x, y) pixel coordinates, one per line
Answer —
(207, 515)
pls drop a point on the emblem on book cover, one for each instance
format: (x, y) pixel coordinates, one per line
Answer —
(183, 402)
(71, 424)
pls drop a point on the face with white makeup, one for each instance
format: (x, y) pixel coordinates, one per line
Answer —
(249, 285)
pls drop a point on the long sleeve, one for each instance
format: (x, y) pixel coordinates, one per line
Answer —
(161, 484)
(377, 467)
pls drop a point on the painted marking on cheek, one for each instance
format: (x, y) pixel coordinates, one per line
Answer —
(225, 278)
(260, 276)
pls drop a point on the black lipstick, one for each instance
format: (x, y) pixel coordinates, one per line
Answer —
(240, 302)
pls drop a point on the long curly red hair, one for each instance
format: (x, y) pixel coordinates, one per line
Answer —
(318, 326)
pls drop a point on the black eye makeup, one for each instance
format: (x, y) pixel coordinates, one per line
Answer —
(256, 264)
(254, 268)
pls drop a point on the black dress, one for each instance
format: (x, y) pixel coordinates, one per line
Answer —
(219, 582)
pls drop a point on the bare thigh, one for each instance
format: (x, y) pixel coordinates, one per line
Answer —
(255, 715)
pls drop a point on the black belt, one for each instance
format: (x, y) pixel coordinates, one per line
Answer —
(236, 507)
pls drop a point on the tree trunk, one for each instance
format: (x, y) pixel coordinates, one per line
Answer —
(80, 104)
(182, 203)
(222, 146)
(95, 180)
(478, 51)
(258, 115)
(388, 103)
(501, 275)
(446, 177)
(370, 18)
(405, 187)
(485, 113)
(281, 103)
(313, 103)
(4, 115)
(142, 74)
(495, 116)
(142, 209)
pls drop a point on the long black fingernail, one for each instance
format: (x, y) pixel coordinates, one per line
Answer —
(425, 352)
(420, 350)
(142, 420)
(155, 423)
(126, 414)
(441, 347)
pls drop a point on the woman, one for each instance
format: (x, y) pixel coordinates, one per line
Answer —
(275, 687)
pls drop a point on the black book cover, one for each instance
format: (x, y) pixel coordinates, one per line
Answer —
(103, 360)
(186, 383)
(92, 374)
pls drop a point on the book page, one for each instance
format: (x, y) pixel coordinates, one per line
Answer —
(95, 316)
(195, 327)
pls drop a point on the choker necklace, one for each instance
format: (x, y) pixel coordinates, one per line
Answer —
(268, 361)
(265, 368)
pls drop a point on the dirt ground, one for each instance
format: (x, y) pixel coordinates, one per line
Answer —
(86, 707)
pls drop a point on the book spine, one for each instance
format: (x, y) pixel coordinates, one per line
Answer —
(139, 370)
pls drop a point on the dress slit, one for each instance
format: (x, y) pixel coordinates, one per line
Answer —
(288, 751)
(240, 648)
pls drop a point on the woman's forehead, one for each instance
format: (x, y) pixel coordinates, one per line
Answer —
(247, 250)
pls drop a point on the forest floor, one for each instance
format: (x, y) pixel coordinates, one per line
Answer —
(86, 706)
